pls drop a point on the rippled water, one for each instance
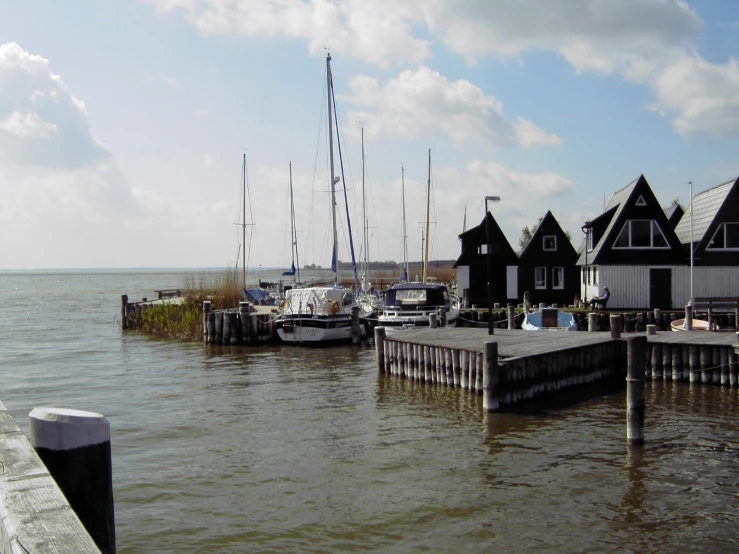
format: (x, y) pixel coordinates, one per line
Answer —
(286, 449)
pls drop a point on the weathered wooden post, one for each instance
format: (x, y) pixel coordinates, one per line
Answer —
(207, 306)
(651, 329)
(432, 320)
(219, 327)
(124, 303)
(694, 363)
(635, 371)
(689, 317)
(615, 326)
(229, 323)
(75, 447)
(511, 317)
(490, 397)
(658, 318)
(355, 325)
(442, 317)
(592, 322)
(211, 327)
(245, 319)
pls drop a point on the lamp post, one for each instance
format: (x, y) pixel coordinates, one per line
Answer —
(490, 263)
(586, 229)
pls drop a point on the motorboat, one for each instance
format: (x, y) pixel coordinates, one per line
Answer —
(411, 305)
(697, 324)
(549, 319)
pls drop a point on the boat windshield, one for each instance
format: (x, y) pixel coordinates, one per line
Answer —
(415, 297)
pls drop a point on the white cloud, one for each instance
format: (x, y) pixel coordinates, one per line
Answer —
(29, 125)
(169, 81)
(422, 101)
(379, 32)
(647, 42)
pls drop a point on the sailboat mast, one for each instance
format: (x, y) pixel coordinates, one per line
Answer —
(335, 254)
(428, 202)
(364, 218)
(405, 232)
(243, 227)
(293, 233)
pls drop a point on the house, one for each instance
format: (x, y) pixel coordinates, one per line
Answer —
(633, 249)
(547, 267)
(472, 265)
(711, 226)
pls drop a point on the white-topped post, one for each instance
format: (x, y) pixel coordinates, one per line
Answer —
(75, 447)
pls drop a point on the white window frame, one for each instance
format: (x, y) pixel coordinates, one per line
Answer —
(651, 236)
(544, 243)
(723, 228)
(540, 284)
(589, 239)
(640, 201)
(561, 271)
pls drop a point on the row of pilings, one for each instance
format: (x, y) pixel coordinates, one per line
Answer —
(237, 326)
(710, 364)
(631, 322)
(502, 381)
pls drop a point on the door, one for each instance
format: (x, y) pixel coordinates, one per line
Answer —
(660, 289)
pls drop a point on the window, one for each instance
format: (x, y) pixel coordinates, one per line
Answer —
(641, 233)
(550, 242)
(483, 249)
(558, 277)
(589, 239)
(540, 277)
(726, 237)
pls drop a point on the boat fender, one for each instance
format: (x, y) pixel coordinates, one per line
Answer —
(335, 307)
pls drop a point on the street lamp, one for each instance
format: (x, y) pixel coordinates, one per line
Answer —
(586, 229)
(490, 262)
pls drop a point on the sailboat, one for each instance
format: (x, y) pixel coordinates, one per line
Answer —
(410, 304)
(320, 314)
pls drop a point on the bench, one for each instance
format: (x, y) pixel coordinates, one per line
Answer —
(719, 303)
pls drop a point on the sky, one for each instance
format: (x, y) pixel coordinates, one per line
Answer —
(123, 125)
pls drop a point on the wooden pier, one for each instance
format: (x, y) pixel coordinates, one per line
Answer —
(529, 363)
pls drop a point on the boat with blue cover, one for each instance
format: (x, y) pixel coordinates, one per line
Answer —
(549, 319)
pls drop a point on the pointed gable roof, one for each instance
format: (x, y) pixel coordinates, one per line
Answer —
(549, 225)
(674, 212)
(705, 206)
(473, 238)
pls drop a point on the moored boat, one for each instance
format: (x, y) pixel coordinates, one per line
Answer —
(697, 324)
(549, 319)
(411, 305)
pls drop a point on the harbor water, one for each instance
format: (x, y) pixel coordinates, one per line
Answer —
(295, 449)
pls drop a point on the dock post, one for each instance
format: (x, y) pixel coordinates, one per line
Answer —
(211, 328)
(651, 329)
(635, 371)
(219, 327)
(432, 321)
(705, 358)
(725, 366)
(75, 447)
(658, 318)
(229, 326)
(124, 303)
(442, 317)
(355, 324)
(592, 322)
(245, 318)
(694, 363)
(689, 317)
(511, 317)
(206, 310)
(490, 399)
(615, 326)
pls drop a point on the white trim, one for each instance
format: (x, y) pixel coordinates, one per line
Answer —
(651, 237)
(537, 280)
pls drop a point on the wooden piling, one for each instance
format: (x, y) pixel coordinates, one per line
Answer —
(432, 320)
(75, 448)
(592, 322)
(705, 360)
(229, 326)
(211, 338)
(511, 317)
(245, 319)
(124, 305)
(689, 317)
(677, 360)
(490, 401)
(658, 318)
(380, 349)
(666, 361)
(635, 371)
(615, 322)
(219, 327)
(694, 363)
(724, 356)
(207, 307)
(355, 325)
(651, 329)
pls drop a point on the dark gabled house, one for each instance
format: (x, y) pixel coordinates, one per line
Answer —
(674, 213)
(632, 249)
(547, 267)
(472, 269)
(711, 225)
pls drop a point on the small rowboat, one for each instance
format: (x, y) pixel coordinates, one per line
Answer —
(698, 325)
(549, 319)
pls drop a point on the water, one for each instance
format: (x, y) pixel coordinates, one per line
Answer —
(287, 449)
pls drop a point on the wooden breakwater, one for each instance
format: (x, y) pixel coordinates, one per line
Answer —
(532, 363)
(246, 325)
(523, 365)
(35, 516)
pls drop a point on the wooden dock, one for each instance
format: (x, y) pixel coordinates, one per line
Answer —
(528, 364)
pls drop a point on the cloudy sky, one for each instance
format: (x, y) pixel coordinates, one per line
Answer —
(123, 124)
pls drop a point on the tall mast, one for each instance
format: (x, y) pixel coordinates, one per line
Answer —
(293, 232)
(243, 227)
(334, 254)
(405, 232)
(428, 201)
(365, 246)
(692, 246)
